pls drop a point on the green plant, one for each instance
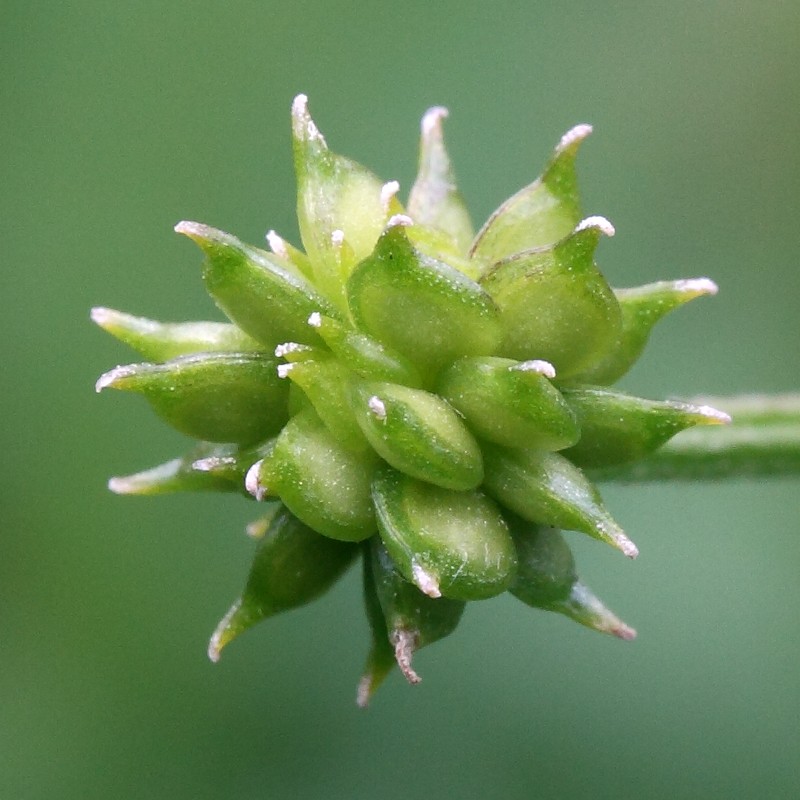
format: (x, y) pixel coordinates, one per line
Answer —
(432, 401)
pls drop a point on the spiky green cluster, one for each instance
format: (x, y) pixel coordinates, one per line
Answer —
(410, 392)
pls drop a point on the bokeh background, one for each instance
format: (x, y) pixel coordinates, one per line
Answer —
(119, 119)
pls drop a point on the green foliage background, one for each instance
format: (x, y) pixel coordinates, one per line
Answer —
(118, 120)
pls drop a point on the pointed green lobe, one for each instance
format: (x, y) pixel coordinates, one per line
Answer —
(161, 341)
(418, 306)
(322, 482)
(454, 544)
(642, 307)
(364, 355)
(257, 291)
(380, 657)
(326, 383)
(546, 579)
(434, 201)
(339, 202)
(510, 402)
(218, 397)
(548, 489)
(617, 428)
(418, 433)
(412, 619)
(540, 214)
(555, 304)
(293, 565)
(207, 467)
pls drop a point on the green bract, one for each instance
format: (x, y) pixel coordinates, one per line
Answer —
(404, 383)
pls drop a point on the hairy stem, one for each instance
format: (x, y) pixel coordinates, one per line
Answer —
(763, 440)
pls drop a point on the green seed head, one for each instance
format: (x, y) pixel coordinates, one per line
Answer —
(401, 382)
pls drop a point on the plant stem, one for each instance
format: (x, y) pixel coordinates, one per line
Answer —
(762, 440)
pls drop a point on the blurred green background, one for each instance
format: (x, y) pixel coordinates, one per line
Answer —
(118, 120)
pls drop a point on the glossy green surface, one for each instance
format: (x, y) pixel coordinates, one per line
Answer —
(254, 289)
(540, 214)
(325, 382)
(449, 543)
(161, 341)
(323, 483)
(509, 402)
(554, 303)
(423, 308)
(546, 579)
(366, 356)
(548, 489)
(642, 307)
(617, 428)
(292, 566)
(119, 120)
(419, 433)
(219, 397)
(412, 619)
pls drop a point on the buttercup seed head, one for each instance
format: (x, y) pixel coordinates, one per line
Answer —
(405, 391)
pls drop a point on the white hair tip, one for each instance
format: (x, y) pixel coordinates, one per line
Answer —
(303, 126)
(715, 415)
(388, 191)
(252, 481)
(315, 319)
(432, 119)
(600, 223)
(573, 136)
(425, 581)
(188, 228)
(101, 315)
(377, 407)
(283, 349)
(108, 378)
(119, 485)
(277, 245)
(538, 366)
(697, 286)
(399, 221)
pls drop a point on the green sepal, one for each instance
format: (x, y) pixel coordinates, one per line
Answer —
(418, 433)
(207, 467)
(364, 355)
(510, 402)
(618, 428)
(380, 657)
(546, 579)
(256, 289)
(412, 619)
(340, 204)
(321, 481)
(555, 304)
(447, 543)
(541, 213)
(326, 383)
(217, 397)
(292, 566)
(161, 341)
(434, 200)
(418, 306)
(548, 489)
(642, 307)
